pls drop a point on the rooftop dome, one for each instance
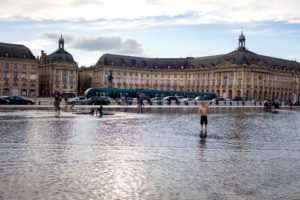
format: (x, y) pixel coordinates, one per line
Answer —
(242, 42)
(242, 37)
(60, 55)
(15, 51)
(61, 39)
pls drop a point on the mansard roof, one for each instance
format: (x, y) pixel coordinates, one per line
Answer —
(131, 61)
(238, 57)
(19, 51)
(60, 56)
(245, 57)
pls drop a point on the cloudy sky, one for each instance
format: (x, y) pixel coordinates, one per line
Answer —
(153, 28)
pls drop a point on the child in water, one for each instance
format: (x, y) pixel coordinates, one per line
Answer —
(100, 110)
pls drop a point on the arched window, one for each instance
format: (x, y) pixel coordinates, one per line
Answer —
(32, 93)
(23, 92)
(6, 92)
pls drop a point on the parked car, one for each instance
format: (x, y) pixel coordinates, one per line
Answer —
(17, 100)
(147, 100)
(297, 103)
(237, 98)
(130, 100)
(220, 99)
(257, 101)
(157, 100)
(126, 101)
(4, 101)
(199, 98)
(186, 101)
(100, 100)
(82, 100)
(69, 95)
(169, 99)
(180, 98)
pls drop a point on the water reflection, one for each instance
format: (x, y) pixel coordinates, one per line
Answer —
(155, 155)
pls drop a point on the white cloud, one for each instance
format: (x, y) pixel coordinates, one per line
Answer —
(204, 11)
(37, 44)
(78, 43)
(109, 44)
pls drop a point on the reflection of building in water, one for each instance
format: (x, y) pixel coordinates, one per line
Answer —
(237, 73)
(18, 71)
(58, 72)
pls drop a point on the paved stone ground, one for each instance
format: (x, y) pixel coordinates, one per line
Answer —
(295, 196)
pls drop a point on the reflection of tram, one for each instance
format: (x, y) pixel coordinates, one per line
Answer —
(118, 93)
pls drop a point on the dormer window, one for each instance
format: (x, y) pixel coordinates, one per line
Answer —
(258, 61)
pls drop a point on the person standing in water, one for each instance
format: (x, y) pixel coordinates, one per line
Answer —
(100, 110)
(203, 115)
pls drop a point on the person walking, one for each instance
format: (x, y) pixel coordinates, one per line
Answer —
(203, 115)
(139, 103)
(57, 100)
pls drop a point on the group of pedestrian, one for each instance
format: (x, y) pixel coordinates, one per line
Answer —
(57, 100)
(202, 110)
(99, 110)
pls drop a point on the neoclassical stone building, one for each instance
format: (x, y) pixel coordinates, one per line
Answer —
(84, 78)
(58, 72)
(237, 73)
(18, 71)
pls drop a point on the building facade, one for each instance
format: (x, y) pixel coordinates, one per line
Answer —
(18, 71)
(58, 72)
(85, 75)
(237, 73)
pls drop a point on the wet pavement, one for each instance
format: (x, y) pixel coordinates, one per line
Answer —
(248, 154)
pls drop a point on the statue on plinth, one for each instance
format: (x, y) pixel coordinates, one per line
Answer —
(110, 79)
